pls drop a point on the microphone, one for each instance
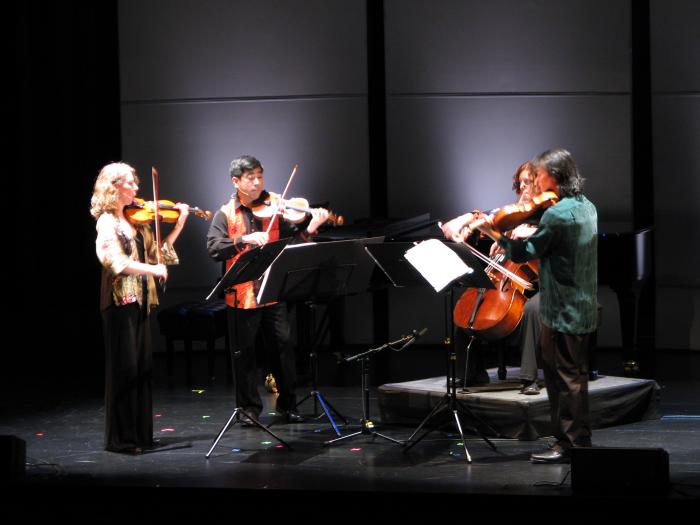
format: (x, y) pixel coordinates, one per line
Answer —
(415, 334)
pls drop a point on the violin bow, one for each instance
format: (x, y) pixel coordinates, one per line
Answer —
(156, 219)
(284, 194)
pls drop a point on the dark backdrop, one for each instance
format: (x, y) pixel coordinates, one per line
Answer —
(465, 91)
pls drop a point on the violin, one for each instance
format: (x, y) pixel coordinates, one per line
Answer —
(512, 215)
(293, 210)
(143, 212)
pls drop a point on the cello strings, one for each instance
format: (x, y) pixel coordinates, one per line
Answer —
(515, 278)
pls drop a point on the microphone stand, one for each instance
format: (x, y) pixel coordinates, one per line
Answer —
(366, 424)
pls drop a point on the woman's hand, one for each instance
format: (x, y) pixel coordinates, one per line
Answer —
(160, 271)
(486, 226)
(184, 212)
(453, 228)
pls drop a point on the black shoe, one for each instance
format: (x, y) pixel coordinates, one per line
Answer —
(245, 421)
(294, 417)
(530, 389)
(131, 451)
(156, 443)
(553, 455)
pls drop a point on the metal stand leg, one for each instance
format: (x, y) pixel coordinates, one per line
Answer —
(367, 426)
(313, 356)
(450, 404)
(235, 418)
(238, 411)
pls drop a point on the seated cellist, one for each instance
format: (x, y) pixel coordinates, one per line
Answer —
(528, 330)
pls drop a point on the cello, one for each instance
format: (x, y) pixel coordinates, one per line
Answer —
(495, 313)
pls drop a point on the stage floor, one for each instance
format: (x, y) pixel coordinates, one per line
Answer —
(68, 471)
(499, 410)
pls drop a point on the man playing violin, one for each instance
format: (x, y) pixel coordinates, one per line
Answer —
(565, 243)
(528, 330)
(234, 230)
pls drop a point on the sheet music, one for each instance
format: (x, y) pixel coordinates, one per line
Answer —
(437, 263)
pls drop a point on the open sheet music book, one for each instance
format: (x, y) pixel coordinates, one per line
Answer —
(437, 263)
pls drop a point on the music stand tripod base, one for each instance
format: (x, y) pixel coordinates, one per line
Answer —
(367, 426)
(449, 402)
(327, 409)
(235, 418)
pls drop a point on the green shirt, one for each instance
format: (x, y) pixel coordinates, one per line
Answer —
(566, 243)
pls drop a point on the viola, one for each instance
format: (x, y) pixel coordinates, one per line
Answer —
(512, 215)
(141, 211)
(293, 210)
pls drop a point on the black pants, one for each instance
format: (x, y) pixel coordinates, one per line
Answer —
(243, 327)
(128, 378)
(565, 365)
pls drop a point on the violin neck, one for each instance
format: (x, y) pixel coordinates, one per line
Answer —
(298, 208)
(332, 217)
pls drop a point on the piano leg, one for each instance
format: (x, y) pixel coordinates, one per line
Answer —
(629, 314)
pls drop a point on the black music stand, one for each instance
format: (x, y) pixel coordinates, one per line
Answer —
(390, 257)
(248, 267)
(315, 272)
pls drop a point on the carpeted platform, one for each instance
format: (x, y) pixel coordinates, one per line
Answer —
(613, 401)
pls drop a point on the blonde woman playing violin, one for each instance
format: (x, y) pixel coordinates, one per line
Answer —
(128, 254)
(235, 229)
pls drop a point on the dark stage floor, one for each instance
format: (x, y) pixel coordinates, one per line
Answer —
(69, 472)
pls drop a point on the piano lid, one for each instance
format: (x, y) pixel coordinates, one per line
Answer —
(624, 258)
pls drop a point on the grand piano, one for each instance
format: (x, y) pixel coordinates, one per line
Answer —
(625, 265)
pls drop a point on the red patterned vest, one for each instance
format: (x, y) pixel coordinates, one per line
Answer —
(245, 293)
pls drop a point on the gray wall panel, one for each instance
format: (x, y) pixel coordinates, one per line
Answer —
(193, 144)
(677, 217)
(675, 74)
(458, 46)
(451, 154)
(675, 45)
(222, 48)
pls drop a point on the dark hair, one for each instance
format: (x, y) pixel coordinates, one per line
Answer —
(242, 164)
(525, 166)
(561, 165)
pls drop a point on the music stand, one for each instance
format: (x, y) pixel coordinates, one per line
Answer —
(403, 272)
(367, 427)
(248, 267)
(318, 271)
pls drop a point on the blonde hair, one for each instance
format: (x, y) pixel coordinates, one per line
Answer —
(105, 195)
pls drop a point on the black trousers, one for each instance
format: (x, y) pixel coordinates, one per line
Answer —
(565, 365)
(128, 378)
(244, 325)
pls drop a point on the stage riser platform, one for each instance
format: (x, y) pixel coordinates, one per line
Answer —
(613, 401)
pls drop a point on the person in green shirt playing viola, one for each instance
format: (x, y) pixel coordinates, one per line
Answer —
(565, 242)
